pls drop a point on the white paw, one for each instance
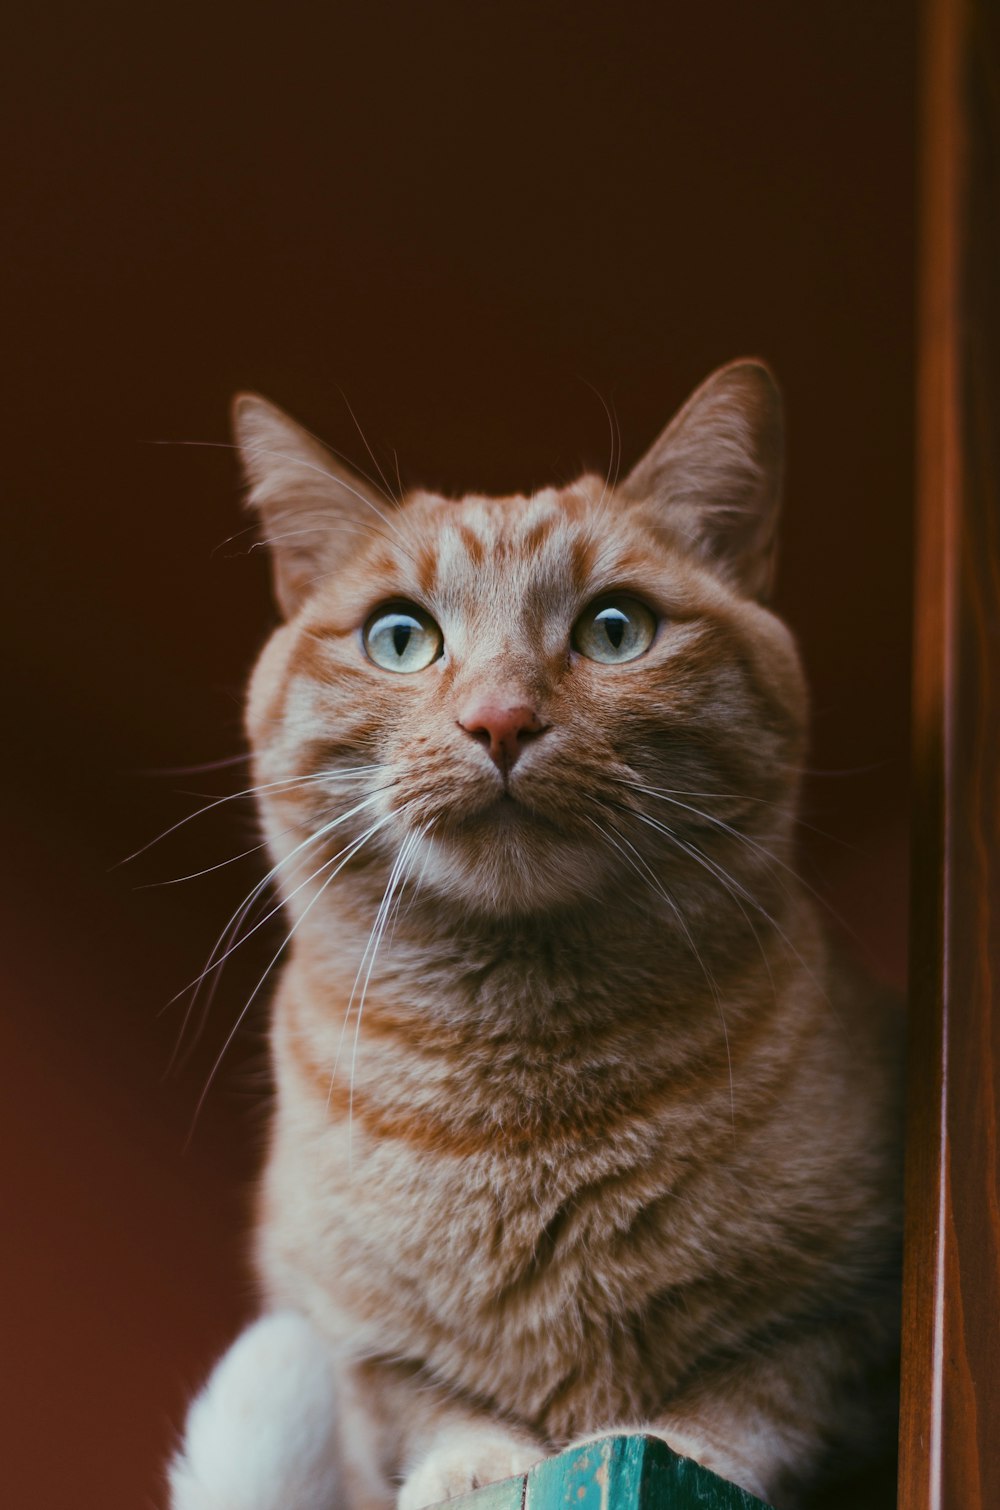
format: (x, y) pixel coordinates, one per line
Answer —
(260, 1436)
(466, 1459)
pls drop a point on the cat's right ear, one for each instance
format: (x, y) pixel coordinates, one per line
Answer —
(313, 509)
(713, 477)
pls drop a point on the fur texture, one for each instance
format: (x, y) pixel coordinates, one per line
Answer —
(579, 1125)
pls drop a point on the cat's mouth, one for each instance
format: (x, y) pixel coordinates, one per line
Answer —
(503, 813)
(506, 808)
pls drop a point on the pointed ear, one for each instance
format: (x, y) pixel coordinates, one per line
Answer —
(313, 509)
(713, 478)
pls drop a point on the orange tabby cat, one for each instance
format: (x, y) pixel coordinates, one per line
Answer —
(580, 1125)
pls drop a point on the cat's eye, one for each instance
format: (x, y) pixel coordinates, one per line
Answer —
(401, 637)
(614, 629)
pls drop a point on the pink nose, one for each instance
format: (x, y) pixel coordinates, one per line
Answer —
(502, 727)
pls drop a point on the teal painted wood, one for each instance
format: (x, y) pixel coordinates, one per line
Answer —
(613, 1473)
(671, 1482)
(507, 1495)
(602, 1474)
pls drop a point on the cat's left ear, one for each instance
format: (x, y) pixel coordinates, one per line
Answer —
(314, 510)
(713, 477)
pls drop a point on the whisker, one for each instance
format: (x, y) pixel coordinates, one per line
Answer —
(710, 980)
(670, 791)
(300, 461)
(385, 490)
(231, 939)
(670, 834)
(612, 466)
(196, 770)
(344, 858)
(395, 876)
(207, 871)
(357, 977)
(227, 942)
(338, 482)
(743, 798)
(740, 797)
(250, 791)
(735, 889)
(418, 883)
(753, 844)
(313, 838)
(327, 525)
(727, 828)
(614, 457)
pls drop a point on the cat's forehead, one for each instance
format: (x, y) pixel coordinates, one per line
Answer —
(547, 542)
(519, 522)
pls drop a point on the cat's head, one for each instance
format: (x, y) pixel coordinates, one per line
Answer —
(529, 701)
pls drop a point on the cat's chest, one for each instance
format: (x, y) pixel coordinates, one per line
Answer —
(481, 1205)
(498, 1195)
(501, 1269)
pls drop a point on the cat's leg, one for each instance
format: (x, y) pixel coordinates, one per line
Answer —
(822, 1400)
(432, 1442)
(262, 1434)
(463, 1455)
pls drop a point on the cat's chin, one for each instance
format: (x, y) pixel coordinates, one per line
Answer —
(505, 859)
(507, 815)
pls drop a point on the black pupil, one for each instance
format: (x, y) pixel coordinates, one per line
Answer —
(401, 637)
(614, 626)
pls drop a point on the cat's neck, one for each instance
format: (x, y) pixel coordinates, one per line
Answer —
(534, 1031)
(552, 972)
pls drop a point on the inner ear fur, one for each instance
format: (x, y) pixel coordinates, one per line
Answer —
(712, 479)
(313, 509)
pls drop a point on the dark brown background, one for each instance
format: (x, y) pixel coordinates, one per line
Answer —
(465, 217)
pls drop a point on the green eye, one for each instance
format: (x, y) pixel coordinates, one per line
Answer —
(614, 630)
(402, 638)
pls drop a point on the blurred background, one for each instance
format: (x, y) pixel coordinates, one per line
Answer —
(476, 225)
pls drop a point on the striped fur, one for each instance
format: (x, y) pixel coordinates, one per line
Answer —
(580, 1124)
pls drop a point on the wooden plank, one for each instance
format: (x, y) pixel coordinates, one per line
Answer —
(603, 1474)
(507, 1495)
(950, 1407)
(671, 1482)
(630, 1473)
(613, 1473)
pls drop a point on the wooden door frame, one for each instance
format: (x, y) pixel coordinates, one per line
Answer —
(950, 1409)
